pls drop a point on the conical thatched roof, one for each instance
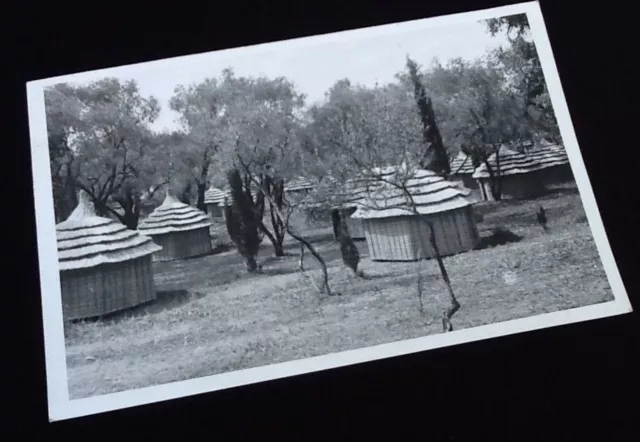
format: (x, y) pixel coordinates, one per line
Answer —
(331, 193)
(462, 165)
(430, 192)
(514, 163)
(87, 240)
(355, 191)
(173, 216)
(214, 196)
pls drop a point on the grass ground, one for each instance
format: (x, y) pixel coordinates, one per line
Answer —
(211, 317)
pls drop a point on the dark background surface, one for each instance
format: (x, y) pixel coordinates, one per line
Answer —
(575, 382)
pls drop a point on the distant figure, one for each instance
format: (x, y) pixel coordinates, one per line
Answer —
(542, 218)
(349, 251)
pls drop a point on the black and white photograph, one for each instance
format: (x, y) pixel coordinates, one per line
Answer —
(227, 218)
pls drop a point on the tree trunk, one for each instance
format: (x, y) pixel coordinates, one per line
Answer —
(130, 220)
(277, 192)
(325, 274)
(242, 224)
(251, 264)
(277, 245)
(336, 221)
(202, 188)
(279, 248)
(454, 305)
(494, 181)
(326, 288)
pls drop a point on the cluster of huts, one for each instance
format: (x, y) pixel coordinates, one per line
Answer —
(104, 267)
(523, 173)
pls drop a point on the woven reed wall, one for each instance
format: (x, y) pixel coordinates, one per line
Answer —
(515, 186)
(107, 288)
(181, 245)
(556, 175)
(406, 238)
(215, 212)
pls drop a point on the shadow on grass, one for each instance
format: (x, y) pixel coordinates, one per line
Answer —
(165, 300)
(272, 258)
(500, 236)
(279, 271)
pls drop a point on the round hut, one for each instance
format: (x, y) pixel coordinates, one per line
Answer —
(394, 232)
(214, 202)
(181, 230)
(518, 177)
(104, 267)
(554, 166)
(331, 197)
(462, 170)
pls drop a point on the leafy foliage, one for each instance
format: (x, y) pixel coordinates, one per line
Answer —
(101, 143)
(100, 138)
(435, 156)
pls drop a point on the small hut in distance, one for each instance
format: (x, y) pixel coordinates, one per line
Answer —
(181, 230)
(104, 267)
(518, 174)
(462, 171)
(298, 186)
(395, 233)
(355, 191)
(555, 167)
(214, 201)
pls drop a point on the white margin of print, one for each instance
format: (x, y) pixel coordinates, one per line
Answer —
(62, 408)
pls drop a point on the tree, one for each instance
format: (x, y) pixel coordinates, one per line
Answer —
(242, 224)
(371, 136)
(62, 114)
(522, 64)
(262, 118)
(112, 149)
(518, 23)
(435, 156)
(202, 110)
(485, 111)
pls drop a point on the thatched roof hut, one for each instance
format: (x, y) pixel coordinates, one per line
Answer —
(462, 170)
(104, 267)
(554, 165)
(462, 165)
(395, 232)
(181, 230)
(298, 185)
(517, 172)
(214, 201)
(352, 194)
(332, 195)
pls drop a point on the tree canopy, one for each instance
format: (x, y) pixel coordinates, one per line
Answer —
(100, 136)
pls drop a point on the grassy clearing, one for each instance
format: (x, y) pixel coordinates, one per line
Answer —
(212, 318)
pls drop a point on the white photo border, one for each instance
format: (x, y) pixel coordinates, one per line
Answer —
(61, 407)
